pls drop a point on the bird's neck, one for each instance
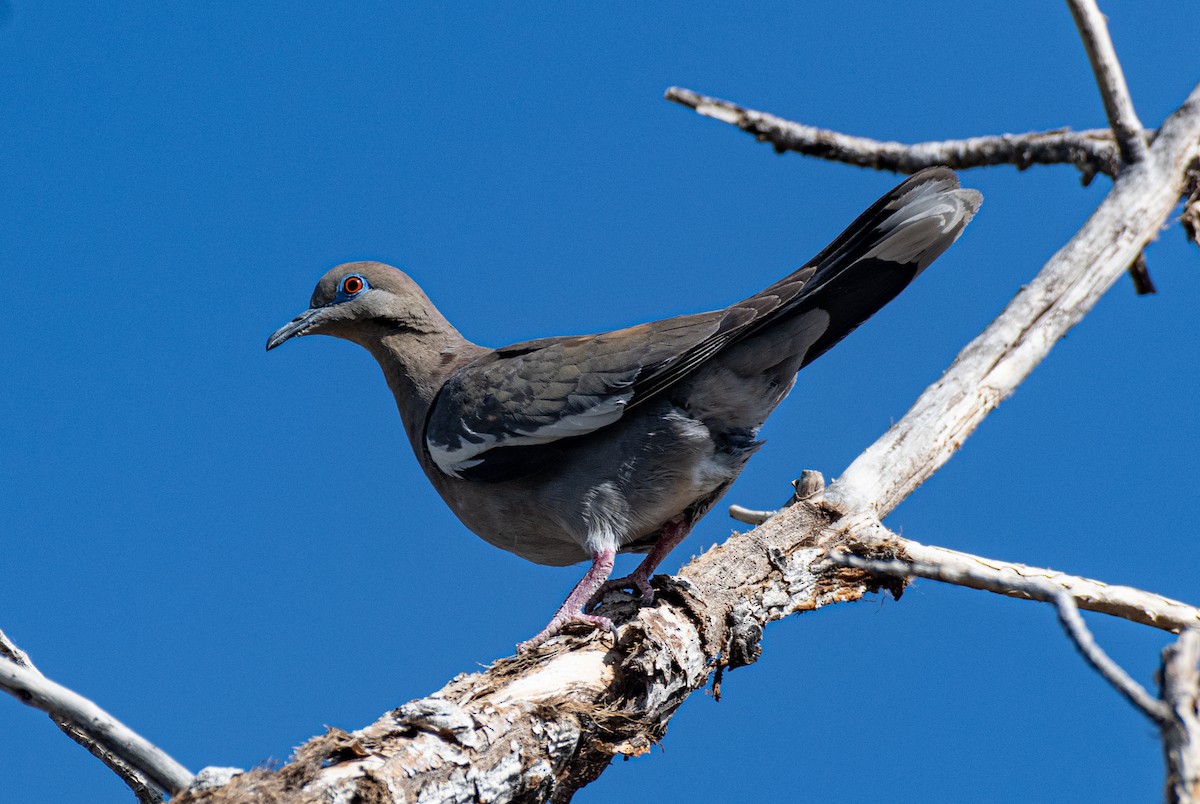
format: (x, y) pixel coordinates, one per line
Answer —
(416, 365)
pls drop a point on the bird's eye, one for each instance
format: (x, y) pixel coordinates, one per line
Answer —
(352, 284)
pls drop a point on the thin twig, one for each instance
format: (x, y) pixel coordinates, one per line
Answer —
(810, 487)
(30, 687)
(1091, 151)
(1113, 673)
(1139, 272)
(1118, 104)
(1033, 588)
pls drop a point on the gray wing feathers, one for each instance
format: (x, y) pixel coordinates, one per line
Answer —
(539, 392)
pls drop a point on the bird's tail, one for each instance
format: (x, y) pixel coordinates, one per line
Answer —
(875, 258)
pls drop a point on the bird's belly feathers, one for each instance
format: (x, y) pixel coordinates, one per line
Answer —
(609, 490)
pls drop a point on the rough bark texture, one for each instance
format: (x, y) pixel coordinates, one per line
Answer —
(1181, 733)
(538, 727)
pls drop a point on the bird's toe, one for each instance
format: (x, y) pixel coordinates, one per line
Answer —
(640, 586)
(555, 627)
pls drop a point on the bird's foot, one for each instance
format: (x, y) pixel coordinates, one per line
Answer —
(572, 609)
(561, 620)
(636, 582)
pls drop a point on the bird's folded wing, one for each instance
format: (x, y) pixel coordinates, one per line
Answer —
(503, 416)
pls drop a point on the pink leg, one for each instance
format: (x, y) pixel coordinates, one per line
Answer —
(572, 608)
(673, 533)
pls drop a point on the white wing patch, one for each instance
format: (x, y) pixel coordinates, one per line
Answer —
(454, 461)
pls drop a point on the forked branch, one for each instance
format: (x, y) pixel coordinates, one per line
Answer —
(542, 725)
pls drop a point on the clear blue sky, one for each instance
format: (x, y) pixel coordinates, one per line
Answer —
(230, 549)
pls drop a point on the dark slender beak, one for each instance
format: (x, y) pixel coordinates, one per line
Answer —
(300, 325)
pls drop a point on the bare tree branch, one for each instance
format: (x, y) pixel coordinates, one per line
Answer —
(1009, 578)
(542, 725)
(1139, 272)
(1118, 104)
(1181, 736)
(1033, 588)
(749, 516)
(145, 792)
(998, 360)
(810, 487)
(147, 770)
(1091, 151)
(1112, 672)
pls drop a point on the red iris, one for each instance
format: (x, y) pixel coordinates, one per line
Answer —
(352, 285)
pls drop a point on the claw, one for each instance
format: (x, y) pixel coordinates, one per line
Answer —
(634, 582)
(557, 624)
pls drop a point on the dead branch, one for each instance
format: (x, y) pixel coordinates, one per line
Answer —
(540, 726)
(145, 768)
(1033, 588)
(998, 360)
(1091, 151)
(1176, 713)
(1009, 578)
(1110, 79)
(1113, 673)
(139, 781)
(1181, 734)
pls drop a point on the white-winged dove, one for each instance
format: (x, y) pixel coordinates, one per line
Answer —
(569, 449)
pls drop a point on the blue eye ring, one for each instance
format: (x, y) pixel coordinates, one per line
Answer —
(353, 285)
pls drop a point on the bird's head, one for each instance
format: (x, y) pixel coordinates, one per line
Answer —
(359, 301)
